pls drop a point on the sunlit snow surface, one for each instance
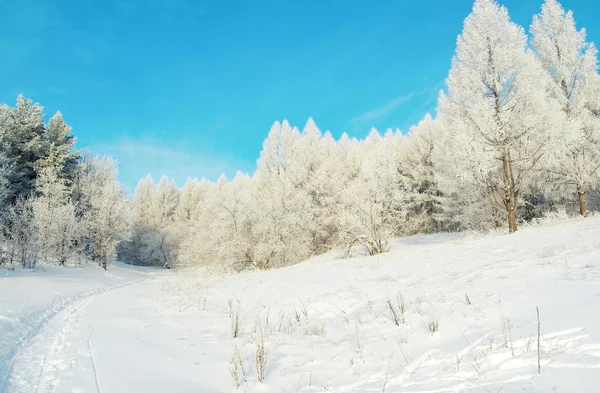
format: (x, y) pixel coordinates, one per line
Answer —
(327, 323)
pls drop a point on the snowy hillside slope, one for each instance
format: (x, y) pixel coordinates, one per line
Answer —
(327, 325)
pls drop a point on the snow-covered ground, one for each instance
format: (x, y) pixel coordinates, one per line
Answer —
(326, 324)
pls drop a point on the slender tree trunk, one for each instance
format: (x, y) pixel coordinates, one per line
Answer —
(512, 220)
(510, 194)
(583, 208)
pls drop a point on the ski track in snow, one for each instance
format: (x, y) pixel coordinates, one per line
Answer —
(24, 369)
(95, 366)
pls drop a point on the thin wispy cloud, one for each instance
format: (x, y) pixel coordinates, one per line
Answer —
(139, 157)
(382, 111)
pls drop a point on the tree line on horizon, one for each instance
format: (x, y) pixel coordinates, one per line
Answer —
(516, 138)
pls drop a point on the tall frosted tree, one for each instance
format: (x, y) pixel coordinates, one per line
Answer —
(374, 199)
(574, 161)
(54, 216)
(104, 208)
(58, 148)
(418, 169)
(21, 133)
(497, 109)
(279, 226)
(191, 198)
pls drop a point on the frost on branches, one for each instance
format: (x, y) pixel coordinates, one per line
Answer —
(498, 113)
(573, 162)
(516, 134)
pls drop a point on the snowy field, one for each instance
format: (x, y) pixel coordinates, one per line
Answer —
(325, 325)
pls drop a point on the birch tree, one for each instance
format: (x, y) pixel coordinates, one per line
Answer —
(106, 211)
(54, 216)
(497, 109)
(574, 161)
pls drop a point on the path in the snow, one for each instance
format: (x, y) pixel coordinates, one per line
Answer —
(118, 341)
(37, 321)
(36, 366)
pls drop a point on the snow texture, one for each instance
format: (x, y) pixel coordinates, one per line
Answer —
(325, 324)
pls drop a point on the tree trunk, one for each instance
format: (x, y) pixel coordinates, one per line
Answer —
(583, 209)
(511, 195)
(512, 220)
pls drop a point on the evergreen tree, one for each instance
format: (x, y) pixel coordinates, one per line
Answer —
(21, 133)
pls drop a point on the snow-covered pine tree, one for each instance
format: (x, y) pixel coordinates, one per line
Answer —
(21, 132)
(574, 160)
(58, 149)
(497, 110)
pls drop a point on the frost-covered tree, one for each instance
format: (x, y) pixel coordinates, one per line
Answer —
(104, 209)
(424, 199)
(21, 133)
(19, 234)
(30, 145)
(6, 169)
(154, 234)
(191, 199)
(54, 216)
(497, 109)
(280, 232)
(374, 200)
(574, 160)
(58, 149)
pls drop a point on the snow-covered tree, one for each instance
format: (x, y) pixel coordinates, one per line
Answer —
(417, 166)
(154, 234)
(54, 216)
(279, 227)
(574, 160)
(21, 132)
(20, 235)
(497, 112)
(191, 198)
(374, 208)
(6, 169)
(58, 149)
(104, 208)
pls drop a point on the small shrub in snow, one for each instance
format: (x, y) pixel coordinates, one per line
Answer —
(507, 334)
(434, 324)
(314, 328)
(397, 309)
(234, 316)
(299, 313)
(237, 368)
(260, 358)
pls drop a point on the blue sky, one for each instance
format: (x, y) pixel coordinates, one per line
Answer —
(191, 88)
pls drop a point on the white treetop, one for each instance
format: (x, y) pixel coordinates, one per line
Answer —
(497, 111)
(574, 161)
